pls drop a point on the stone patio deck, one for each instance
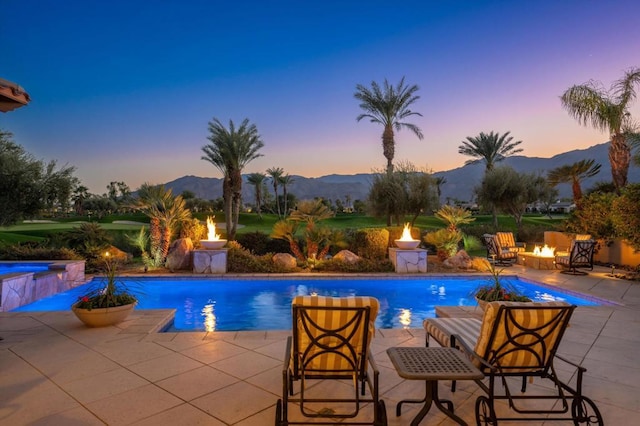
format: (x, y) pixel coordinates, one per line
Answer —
(54, 371)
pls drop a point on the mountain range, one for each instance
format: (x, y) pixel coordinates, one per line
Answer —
(459, 182)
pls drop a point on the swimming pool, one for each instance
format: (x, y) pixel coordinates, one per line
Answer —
(239, 304)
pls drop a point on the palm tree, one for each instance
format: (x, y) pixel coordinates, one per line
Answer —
(166, 213)
(230, 151)
(439, 181)
(80, 194)
(257, 180)
(276, 174)
(604, 110)
(388, 106)
(574, 173)
(491, 148)
(284, 181)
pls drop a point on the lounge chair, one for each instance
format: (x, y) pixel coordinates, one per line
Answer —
(506, 241)
(519, 339)
(501, 254)
(330, 341)
(580, 256)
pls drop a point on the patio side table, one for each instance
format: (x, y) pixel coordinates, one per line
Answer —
(432, 364)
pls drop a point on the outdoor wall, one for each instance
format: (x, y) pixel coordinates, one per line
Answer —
(19, 289)
(618, 252)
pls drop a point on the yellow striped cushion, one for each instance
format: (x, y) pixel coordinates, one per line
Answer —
(506, 353)
(318, 358)
(441, 329)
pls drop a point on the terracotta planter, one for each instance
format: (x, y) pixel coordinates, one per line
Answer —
(102, 317)
(482, 304)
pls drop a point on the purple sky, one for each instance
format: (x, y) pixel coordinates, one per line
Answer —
(123, 90)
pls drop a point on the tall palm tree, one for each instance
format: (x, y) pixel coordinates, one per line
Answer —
(604, 110)
(574, 173)
(276, 174)
(257, 180)
(388, 106)
(230, 151)
(490, 148)
(285, 180)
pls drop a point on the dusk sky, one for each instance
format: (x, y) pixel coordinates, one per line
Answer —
(124, 90)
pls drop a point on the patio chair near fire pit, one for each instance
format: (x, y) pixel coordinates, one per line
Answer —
(502, 248)
(331, 341)
(580, 256)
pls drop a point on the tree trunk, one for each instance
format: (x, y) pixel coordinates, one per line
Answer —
(155, 236)
(388, 147)
(619, 157)
(227, 195)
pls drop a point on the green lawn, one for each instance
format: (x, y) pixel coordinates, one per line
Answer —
(250, 222)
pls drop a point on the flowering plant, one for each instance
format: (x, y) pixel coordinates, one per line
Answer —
(496, 290)
(112, 294)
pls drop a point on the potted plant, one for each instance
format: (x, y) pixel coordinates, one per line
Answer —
(107, 304)
(497, 290)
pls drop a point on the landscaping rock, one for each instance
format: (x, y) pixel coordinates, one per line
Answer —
(460, 260)
(284, 260)
(347, 257)
(119, 255)
(179, 256)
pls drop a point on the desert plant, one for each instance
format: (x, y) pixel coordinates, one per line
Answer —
(446, 241)
(497, 289)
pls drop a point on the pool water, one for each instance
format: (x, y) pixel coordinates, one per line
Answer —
(241, 304)
(8, 268)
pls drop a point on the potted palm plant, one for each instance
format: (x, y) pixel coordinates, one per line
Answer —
(107, 304)
(497, 290)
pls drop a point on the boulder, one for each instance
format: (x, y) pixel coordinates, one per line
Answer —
(179, 256)
(285, 261)
(347, 257)
(119, 255)
(460, 260)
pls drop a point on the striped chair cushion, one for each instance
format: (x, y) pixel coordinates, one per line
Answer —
(507, 354)
(333, 354)
(441, 329)
(507, 242)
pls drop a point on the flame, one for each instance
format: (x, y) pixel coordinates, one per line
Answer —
(545, 251)
(406, 233)
(211, 228)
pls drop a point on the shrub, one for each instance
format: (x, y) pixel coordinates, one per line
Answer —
(371, 243)
(363, 266)
(240, 260)
(593, 216)
(260, 243)
(445, 240)
(193, 229)
(533, 233)
(29, 252)
(626, 215)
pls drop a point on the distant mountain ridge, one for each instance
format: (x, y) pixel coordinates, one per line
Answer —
(459, 182)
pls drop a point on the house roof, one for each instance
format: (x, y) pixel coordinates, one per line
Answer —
(12, 96)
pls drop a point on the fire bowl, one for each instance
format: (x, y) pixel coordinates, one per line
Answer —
(407, 244)
(213, 244)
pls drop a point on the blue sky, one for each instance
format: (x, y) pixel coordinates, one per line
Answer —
(123, 90)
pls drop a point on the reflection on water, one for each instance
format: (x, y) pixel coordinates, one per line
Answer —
(405, 317)
(209, 316)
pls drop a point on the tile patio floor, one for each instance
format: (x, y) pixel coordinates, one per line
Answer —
(54, 371)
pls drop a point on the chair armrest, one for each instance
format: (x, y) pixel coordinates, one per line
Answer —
(287, 354)
(471, 353)
(578, 366)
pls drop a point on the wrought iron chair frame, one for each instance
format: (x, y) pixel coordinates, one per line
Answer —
(499, 255)
(581, 408)
(580, 256)
(296, 359)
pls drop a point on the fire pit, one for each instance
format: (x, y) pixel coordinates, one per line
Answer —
(406, 241)
(539, 258)
(213, 241)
